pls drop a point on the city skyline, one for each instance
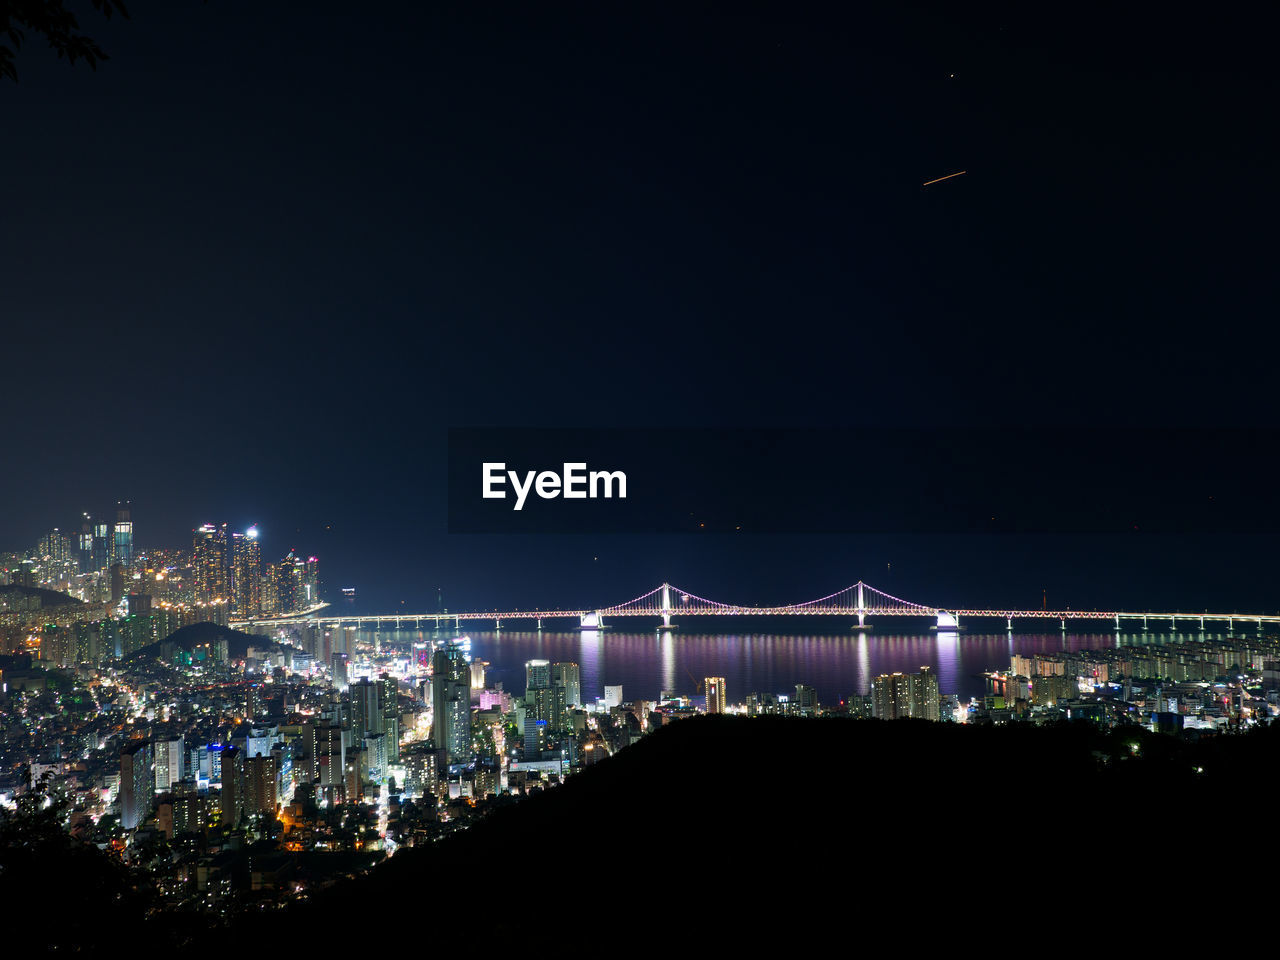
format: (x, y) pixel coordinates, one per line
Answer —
(699, 461)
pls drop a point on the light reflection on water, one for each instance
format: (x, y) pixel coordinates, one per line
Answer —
(837, 665)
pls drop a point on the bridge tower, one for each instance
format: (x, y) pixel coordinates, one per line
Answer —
(862, 608)
(666, 605)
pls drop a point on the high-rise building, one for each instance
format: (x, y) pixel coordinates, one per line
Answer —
(805, 703)
(260, 785)
(123, 533)
(169, 756)
(246, 573)
(54, 548)
(338, 665)
(232, 787)
(135, 783)
(85, 544)
(715, 694)
(451, 702)
(898, 695)
(209, 562)
(366, 709)
(891, 697)
(102, 545)
(568, 676)
(925, 699)
(330, 757)
(545, 705)
(537, 674)
(545, 696)
(117, 582)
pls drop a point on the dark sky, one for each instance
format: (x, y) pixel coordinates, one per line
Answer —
(256, 265)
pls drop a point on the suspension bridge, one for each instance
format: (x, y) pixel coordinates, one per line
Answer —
(858, 602)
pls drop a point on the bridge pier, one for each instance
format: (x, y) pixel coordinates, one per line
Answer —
(1117, 623)
(1174, 622)
(1144, 623)
(1009, 623)
(1064, 624)
(497, 624)
(539, 623)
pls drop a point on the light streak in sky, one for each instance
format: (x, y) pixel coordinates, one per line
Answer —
(947, 177)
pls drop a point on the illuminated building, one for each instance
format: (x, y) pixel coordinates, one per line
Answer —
(209, 561)
(898, 695)
(330, 758)
(391, 717)
(246, 573)
(260, 790)
(86, 546)
(568, 676)
(451, 702)
(123, 534)
(366, 708)
(421, 776)
(135, 784)
(375, 755)
(338, 664)
(232, 774)
(806, 701)
(169, 755)
(101, 545)
(537, 674)
(544, 697)
(715, 694)
(54, 548)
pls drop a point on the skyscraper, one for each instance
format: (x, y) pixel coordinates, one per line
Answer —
(232, 787)
(85, 544)
(451, 702)
(209, 560)
(925, 700)
(568, 676)
(715, 694)
(537, 674)
(135, 783)
(246, 573)
(366, 709)
(169, 756)
(898, 695)
(805, 703)
(259, 785)
(101, 545)
(123, 533)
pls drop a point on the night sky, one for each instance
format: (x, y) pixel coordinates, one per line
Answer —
(256, 265)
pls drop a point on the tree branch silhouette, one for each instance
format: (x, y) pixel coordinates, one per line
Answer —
(52, 20)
